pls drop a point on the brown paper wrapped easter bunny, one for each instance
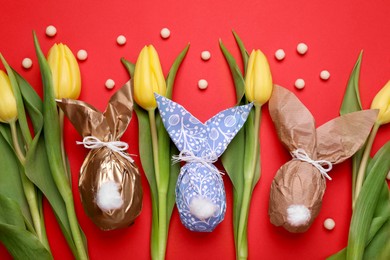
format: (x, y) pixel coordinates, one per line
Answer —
(299, 185)
(109, 184)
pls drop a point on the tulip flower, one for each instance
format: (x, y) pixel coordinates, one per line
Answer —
(60, 65)
(148, 78)
(258, 79)
(8, 110)
(65, 72)
(154, 141)
(382, 102)
(66, 79)
(242, 158)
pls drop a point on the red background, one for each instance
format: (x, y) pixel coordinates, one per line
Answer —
(335, 32)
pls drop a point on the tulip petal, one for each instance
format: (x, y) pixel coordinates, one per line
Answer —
(74, 73)
(157, 72)
(8, 109)
(382, 102)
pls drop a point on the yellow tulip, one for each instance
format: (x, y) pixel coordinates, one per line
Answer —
(8, 109)
(258, 79)
(65, 72)
(382, 102)
(148, 78)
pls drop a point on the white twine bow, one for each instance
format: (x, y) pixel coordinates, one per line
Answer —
(91, 142)
(300, 154)
(189, 156)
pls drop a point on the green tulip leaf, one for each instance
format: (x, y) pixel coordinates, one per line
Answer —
(20, 243)
(367, 202)
(379, 247)
(173, 71)
(352, 103)
(130, 67)
(238, 79)
(243, 51)
(10, 181)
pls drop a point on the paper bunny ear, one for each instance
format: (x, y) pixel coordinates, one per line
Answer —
(340, 138)
(185, 130)
(119, 110)
(294, 123)
(189, 134)
(86, 119)
(224, 126)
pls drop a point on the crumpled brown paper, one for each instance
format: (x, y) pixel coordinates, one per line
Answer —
(104, 165)
(300, 183)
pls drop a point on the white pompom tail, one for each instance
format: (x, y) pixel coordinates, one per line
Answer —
(298, 215)
(202, 208)
(108, 196)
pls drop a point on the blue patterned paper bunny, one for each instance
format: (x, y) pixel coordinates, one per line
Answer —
(200, 193)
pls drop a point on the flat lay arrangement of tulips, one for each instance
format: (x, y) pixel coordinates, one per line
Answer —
(177, 153)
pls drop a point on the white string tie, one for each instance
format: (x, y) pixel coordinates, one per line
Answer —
(91, 142)
(300, 154)
(189, 157)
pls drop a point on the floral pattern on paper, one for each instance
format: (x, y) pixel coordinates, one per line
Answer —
(203, 144)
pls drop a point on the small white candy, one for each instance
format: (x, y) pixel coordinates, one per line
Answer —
(329, 224)
(51, 31)
(302, 48)
(299, 83)
(121, 39)
(388, 176)
(165, 33)
(110, 84)
(280, 54)
(202, 84)
(324, 75)
(205, 55)
(27, 63)
(82, 55)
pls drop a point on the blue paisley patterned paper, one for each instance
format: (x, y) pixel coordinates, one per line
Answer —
(201, 180)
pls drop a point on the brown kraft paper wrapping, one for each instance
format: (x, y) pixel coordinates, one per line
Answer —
(109, 184)
(298, 187)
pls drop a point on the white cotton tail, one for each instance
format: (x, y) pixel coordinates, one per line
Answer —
(108, 196)
(202, 208)
(298, 215)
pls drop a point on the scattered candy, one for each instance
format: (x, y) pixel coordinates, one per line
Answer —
(302, 48)
(388, 176)
(110, 84)
(121, 40)
(82, 55)
(27, 63)
(280, 54)
(165, 33)
(51, 31)
(202, 84)
(329, 224)
(299, 83)
(324, 75)
(205, 55)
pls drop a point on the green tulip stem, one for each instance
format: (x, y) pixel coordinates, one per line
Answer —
(29, 190)
(162, 193)
(363, 164)
(153, 131)
(63, 154)
(242, 244)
